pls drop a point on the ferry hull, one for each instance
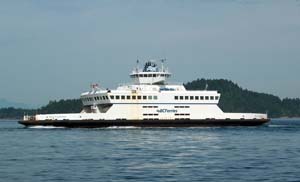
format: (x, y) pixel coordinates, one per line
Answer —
(144, 123)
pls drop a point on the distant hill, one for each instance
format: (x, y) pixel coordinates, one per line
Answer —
(61, 106)
(233, 99)
(237, 99)
(5, 103)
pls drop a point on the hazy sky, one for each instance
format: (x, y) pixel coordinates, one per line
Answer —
(51, 49)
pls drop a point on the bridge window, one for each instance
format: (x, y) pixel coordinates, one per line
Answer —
(186, 97)
(144, 97)
(217, 97)
(106, 97)
(150, 97)
(128, 97)
(112, 97)
(155, 97)
(191, 97)
(212, 98)
(181, 97)
(196, 97)
(139, 97)
(176, 97)
(206, 98)
(117, 97)
(201, 98)
(134, 97)
(123, 97)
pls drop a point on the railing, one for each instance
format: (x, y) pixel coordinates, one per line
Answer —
(29, 118)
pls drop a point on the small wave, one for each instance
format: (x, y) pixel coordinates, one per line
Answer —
(123, 127)
(277, 126)
(45, 127)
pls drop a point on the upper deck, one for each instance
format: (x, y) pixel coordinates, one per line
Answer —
(149, 86)
(151, 74)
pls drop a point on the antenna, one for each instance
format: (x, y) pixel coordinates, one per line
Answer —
(206, 86)
(137, 65)
(162, 63)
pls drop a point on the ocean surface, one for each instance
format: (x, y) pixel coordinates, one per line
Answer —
(265, 153)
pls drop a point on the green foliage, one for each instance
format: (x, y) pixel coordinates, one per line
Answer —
(236, 99)
(61, 106)
(13, 113)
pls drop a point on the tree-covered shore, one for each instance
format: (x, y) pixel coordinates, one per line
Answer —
(233, 99)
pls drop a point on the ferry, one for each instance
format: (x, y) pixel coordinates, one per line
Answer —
(149, 101)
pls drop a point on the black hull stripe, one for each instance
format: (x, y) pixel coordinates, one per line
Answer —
(144, 123)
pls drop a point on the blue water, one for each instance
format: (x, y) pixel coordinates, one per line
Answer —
(265, 153)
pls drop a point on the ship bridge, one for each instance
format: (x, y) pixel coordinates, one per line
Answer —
(151, 74)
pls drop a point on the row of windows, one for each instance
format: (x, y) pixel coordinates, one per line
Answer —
(182, 114)
(196, 97)
(122, 97)
(150, 97)
(87, 99)
(150, 114)
(101, 98)
(133, 97)
(150, 75)
(150, 106)
(96, 98)
(182, 106)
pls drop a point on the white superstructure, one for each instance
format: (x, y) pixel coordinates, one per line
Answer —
(150, 97)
